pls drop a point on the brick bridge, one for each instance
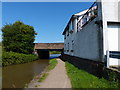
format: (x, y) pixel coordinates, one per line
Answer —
(42, 49)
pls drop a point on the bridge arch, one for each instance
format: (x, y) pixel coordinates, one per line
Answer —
(42, 49)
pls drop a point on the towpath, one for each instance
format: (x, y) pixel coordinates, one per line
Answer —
(57, 78)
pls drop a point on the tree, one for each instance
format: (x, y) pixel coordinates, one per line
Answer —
(18, 37)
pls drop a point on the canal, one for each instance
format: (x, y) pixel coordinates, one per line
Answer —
(16, 76)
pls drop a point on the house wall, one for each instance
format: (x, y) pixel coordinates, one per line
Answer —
(68, 41)
(84, 43)
(109, 13)
(110, 32)
(93, 41)
(87, 42)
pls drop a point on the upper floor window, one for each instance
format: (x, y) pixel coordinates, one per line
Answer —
(65, 48)
(72, 25)
(68, 48)
(67, 31)
(65, 36)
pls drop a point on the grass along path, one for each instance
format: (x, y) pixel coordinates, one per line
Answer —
(82, 79)
(41, 77)
(52, 64)
(56, 78)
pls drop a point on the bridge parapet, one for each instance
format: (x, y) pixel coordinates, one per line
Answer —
(49, 46)
(42, 49)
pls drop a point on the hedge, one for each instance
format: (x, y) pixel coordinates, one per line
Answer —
(10, 58)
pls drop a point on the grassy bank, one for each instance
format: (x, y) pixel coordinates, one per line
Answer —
(82, 79)
(0, 55)
(55, 52)
(52, 64)
(11, 58)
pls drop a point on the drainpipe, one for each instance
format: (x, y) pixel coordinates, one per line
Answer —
(108, 53)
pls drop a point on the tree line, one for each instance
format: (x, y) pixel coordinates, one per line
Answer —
(17, 38)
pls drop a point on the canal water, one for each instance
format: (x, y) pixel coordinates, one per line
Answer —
(19, 75)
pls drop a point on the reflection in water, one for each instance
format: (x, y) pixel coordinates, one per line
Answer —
(19, 75)
(16, 76)
(54, 56)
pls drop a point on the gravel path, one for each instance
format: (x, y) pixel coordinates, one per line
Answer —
(57, 78)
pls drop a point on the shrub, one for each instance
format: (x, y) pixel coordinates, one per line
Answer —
(10, 58)
(18, 37)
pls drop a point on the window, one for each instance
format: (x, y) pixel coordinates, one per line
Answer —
(65, 36)
(68, 48)
(72, 25)
(88, 16)
(72, 45)
(68, 31)
(115, 54)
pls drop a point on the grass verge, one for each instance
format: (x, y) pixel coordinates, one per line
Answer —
(82, 79)
(52, 64)
(43, 77)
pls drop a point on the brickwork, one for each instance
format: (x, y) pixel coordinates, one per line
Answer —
(49, 46)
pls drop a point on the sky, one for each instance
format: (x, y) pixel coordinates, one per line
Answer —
(49, 19)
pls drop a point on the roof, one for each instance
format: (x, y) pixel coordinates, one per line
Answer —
(73, 16)
(49, 46)
(81, 13)
(78, 15)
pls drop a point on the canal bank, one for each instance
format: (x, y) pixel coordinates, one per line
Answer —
(57, 78)
(16, 76)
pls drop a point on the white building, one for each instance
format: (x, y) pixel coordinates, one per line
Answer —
(93, 33)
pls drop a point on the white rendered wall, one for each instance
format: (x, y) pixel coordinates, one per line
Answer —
(70, 38)
(113, 42)
(113, 37)
(110, 32)
(87, 42)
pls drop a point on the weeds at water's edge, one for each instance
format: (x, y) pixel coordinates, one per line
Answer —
(26, 85)
(41, 77)
(52, 64)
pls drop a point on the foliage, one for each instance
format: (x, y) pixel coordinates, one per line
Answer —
(55, 52)
(114, 79)
(82, 79)
(43, 77)
(18, 37)
(52, 64)
(10, 58)
(0, 43)
(0, 56)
